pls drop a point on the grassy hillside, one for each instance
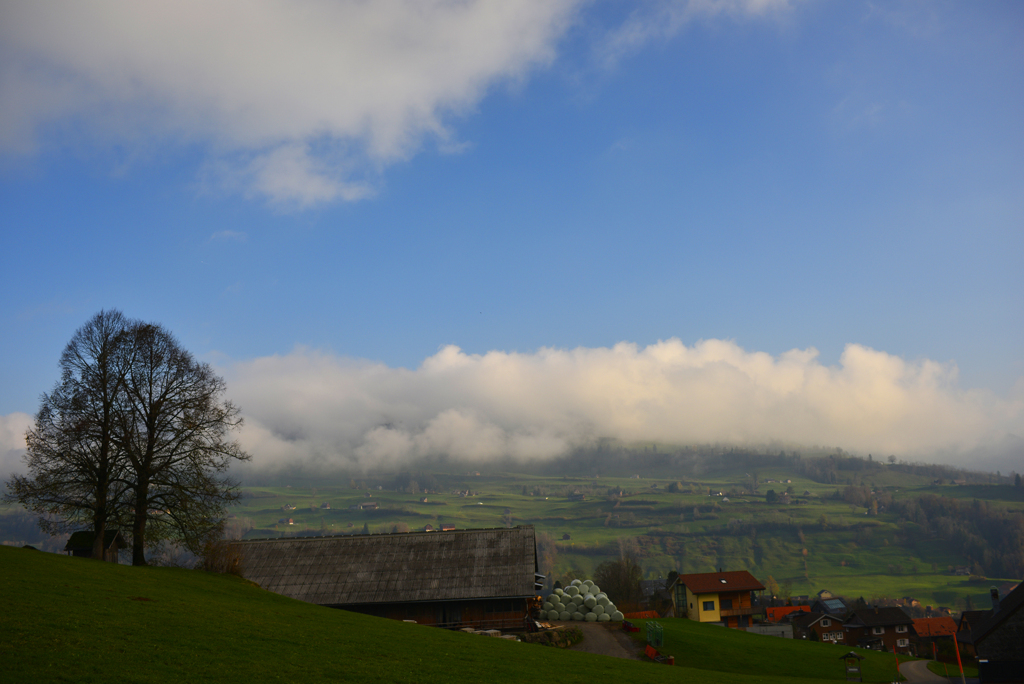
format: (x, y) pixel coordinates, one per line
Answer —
(72, 620)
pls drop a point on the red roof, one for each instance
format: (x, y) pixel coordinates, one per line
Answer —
(776, 613)
(933, 627)
(714, 582)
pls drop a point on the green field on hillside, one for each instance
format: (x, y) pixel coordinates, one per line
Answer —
(74, 620)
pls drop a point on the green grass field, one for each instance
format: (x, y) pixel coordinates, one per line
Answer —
(706, 647)
(73, 620)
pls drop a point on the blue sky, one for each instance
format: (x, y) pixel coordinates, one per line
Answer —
(342, 188)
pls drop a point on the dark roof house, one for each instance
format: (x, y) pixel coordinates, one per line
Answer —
(833, 605)
(453, 579)
(882, 629)
(999, 639)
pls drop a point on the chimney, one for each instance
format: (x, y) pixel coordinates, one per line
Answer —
(994, 593)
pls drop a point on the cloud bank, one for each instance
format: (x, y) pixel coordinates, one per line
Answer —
(12, 442)
(297, 102)
(308, 406)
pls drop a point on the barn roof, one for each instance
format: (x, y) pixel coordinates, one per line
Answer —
(396, 568)
(82, 541)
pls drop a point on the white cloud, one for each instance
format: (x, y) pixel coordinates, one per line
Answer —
(299, 102)
(663, 19)
(309, 405)
(12, 442)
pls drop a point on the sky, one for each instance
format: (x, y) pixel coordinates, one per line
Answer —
(490, 229)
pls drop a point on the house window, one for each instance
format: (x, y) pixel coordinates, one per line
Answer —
(709, 605)
(726, 603)
(901, 629)
(902, 643)
(878, 630)
(826, 623)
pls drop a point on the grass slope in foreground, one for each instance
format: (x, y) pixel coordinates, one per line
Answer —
(69, 619)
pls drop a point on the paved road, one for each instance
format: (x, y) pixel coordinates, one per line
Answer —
(917, 672)
(605, 639)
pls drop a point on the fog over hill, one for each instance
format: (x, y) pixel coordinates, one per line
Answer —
(314, 408)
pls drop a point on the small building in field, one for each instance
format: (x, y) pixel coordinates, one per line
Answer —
(447, 527)
(723, 597)
(467, 578)
(80, 545)
(369, 506)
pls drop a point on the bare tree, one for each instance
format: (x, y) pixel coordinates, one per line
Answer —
(174, 431)
(76, 470)
(135, 430)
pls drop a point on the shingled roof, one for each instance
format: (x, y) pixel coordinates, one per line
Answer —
(714, 582)
(396, 568)
(934, 626)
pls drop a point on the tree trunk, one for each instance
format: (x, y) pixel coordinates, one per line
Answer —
(139, 525)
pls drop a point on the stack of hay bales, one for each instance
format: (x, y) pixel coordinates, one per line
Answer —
(581, 600)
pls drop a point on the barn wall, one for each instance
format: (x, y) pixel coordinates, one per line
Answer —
(505, 614)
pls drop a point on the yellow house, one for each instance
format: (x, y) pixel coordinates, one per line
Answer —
(717, 597)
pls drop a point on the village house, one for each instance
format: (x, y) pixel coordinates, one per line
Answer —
(880, 629)
(930, 632)
(819, 627)
(722, 597)
(467, 578)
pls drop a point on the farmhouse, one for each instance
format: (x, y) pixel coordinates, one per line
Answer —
(717, 597)
(465, 578)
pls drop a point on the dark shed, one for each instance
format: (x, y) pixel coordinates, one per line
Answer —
(80, 544)
(462, 578)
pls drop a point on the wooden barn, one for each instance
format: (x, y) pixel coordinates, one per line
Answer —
(464, 578)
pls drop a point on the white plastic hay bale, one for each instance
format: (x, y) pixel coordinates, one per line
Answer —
(590, 602)
(591, 617)
(547, 607)
(558, 591)
(575, 583)
(603, 617)
(618, 617)
(600, 595)
(565, 615)
(573, 590)
(597, 610)
(595, 590)
(603, 601)
(578, 600)
(578, 616)
(551, 615)
(588, 583)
